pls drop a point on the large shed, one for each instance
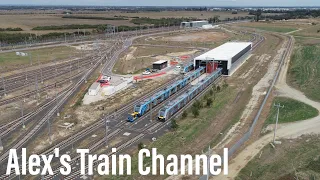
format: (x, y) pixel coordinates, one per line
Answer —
(228, 56)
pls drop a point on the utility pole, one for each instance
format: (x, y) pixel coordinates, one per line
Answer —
(22, 115)
(208, 162)
(151, 111)
(55, 74)
(49, 131)
(278, 106)
(4, 86)
(106, 133)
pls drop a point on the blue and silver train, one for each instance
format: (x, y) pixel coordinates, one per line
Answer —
(187, 68)
(143, 107)
(173, 107)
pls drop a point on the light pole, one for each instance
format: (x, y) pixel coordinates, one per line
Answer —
(278, 106)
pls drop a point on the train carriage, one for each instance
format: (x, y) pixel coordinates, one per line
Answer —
(169, 110)
(143, 107)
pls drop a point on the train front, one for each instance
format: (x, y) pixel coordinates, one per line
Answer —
(162, 115)
(133, 116)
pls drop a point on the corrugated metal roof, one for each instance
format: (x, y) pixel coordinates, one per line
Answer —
(160, 62)
(225, 51)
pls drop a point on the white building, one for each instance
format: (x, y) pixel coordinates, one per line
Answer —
(94, 89)
(228, 56)
(193, 24)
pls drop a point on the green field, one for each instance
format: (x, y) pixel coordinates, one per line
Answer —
(273, 29)
(10, 60)
(293, 111)
(293, 159)
(304, 71)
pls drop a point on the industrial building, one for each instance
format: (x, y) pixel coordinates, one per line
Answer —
(193, 24)
(161, 64)
(228, 56)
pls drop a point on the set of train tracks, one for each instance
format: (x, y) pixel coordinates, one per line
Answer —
(33, 130)
(92, 128)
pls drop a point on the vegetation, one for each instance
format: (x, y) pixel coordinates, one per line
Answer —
(69, 26)
(293, 111)
(304, 71)
(8, 38)
(11, 29)
(184, 114)
(294, 159)
(174, 124)
(140, 146)
(160, 22)
(94, 17)
(273, 28)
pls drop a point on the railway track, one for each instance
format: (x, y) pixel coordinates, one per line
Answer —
(68, 143)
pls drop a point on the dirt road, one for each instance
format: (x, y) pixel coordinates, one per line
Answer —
(287, 131)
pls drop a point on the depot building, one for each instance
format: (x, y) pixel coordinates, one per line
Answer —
(229, 56)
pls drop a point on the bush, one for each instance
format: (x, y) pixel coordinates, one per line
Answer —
(174, 124)
(218, 88)
(140, 146)
(209, 102)
(184, 114)
(195, 111)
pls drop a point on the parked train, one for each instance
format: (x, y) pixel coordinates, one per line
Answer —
(187, 68)
(143, 107)
(173, 107)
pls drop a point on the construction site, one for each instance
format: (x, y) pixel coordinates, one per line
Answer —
(178, 88)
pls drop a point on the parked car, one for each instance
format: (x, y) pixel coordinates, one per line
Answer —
(146, 73)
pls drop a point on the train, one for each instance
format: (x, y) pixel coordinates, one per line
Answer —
(187, 68)
(174, 106)
(143, 107)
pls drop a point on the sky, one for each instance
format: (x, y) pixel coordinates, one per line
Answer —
(166, 2)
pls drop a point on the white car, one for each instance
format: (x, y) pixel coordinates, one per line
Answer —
(146, 73)
(107, 78)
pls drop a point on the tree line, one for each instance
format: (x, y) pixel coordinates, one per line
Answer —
(94, 17)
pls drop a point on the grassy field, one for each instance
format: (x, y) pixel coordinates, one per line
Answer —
(293, 159)
(293, 111)
(304, 70)
(273, 28)
(10, 59)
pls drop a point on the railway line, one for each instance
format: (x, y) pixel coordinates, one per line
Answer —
(147, 130)
(48, 115)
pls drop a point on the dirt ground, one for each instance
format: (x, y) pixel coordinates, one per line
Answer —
(140, 57)
(199, 36)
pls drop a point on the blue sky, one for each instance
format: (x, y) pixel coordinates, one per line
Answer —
(168, 2)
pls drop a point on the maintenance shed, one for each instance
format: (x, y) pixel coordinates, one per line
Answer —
(161, 64)
(193, 24)
(228, 56)
(94, 89)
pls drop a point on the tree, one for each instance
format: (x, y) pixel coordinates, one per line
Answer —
(184, 114)
(174, 124)
(218, 89)
(209, 102)
(195, 111)
(211, 92)
(258, 14)
(140, 146)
